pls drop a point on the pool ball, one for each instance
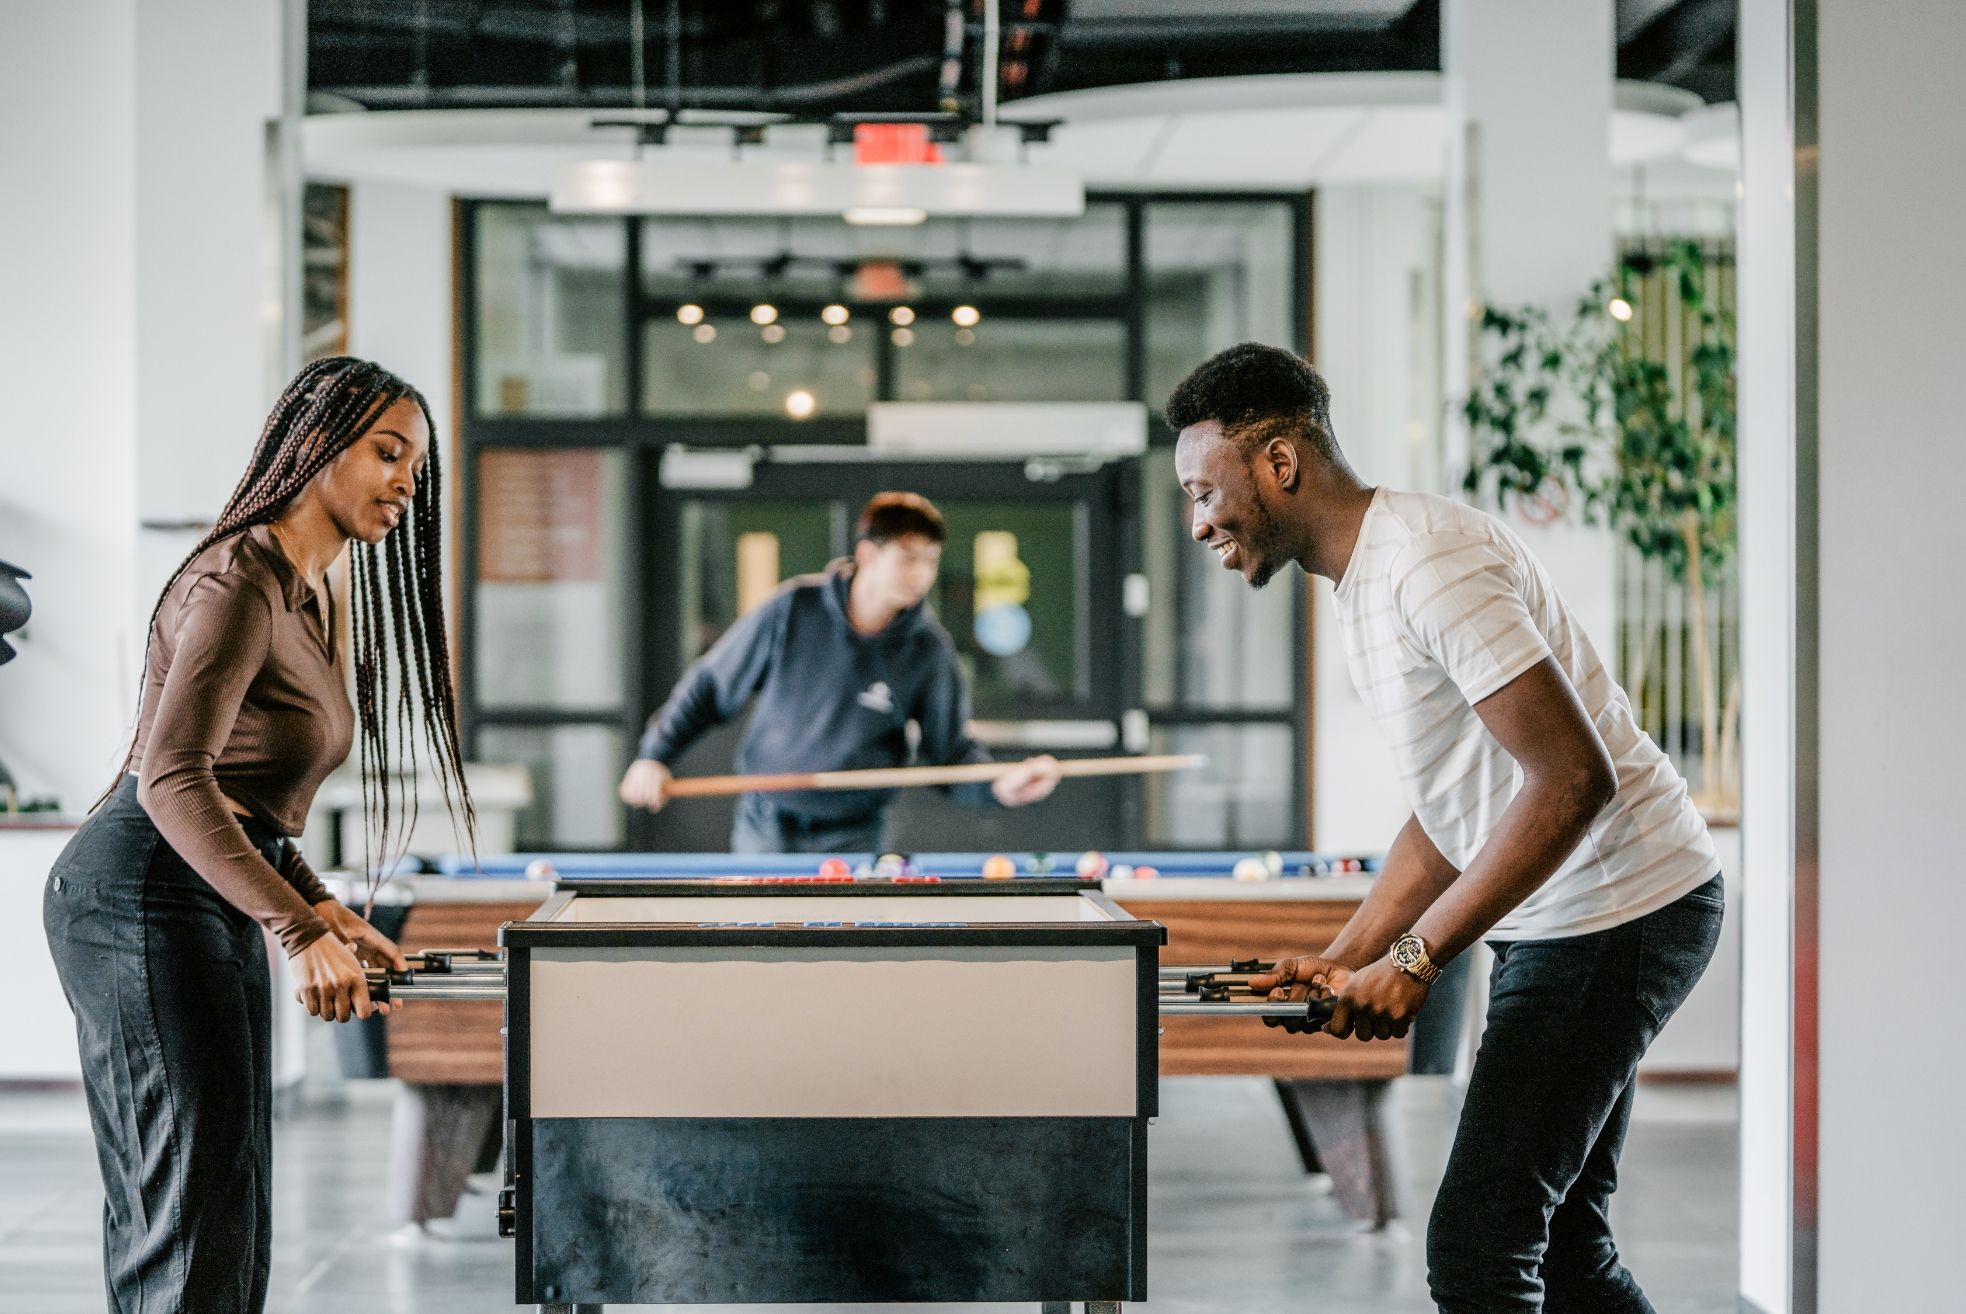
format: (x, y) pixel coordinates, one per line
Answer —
(1251, 869)
(890, 865)
(997, 867)
(835, 869)
(1274, 861)
(1092, 865)
(1040, 864)
(1146, 873)
(1119, 871)
(539, 869)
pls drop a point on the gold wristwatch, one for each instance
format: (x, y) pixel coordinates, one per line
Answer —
(1410, 956)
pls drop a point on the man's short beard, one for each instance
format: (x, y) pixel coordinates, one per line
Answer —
(1263, 538)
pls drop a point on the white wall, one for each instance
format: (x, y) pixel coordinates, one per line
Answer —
(68, 370)
(1892, 708)
(1849, 869)
(204, 290)
(141, 283)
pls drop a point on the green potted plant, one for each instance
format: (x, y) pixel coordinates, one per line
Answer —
(1589, 411)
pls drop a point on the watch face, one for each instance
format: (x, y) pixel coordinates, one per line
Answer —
(1407, 951)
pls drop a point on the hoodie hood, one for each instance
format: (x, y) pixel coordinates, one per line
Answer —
(839, 585)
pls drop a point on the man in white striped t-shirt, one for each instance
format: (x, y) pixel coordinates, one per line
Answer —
(1544, 820)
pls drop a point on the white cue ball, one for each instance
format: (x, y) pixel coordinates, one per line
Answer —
(1251, 869)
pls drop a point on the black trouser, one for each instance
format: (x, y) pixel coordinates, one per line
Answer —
(761, 827)
(169, 986)
(1522, 1219)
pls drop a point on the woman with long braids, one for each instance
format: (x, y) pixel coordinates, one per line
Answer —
(154, 911)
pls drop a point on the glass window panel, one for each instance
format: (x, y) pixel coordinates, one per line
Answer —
(738, 371)
(550, 306)
(1211, 640)
(1022, 360)
(1217, 274)
(1011, 595)
(552, 541)
(735, 553)
(1242, 801)
(574, 772)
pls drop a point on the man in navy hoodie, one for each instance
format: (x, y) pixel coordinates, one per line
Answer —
(840, 663)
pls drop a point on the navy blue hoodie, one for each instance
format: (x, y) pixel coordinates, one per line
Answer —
(829, 697)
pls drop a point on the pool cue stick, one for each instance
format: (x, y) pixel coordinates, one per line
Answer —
(907, 777)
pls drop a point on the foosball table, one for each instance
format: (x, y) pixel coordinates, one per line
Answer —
(871, 1090)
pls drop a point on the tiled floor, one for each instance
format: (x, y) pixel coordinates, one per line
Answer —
(1235, 1226)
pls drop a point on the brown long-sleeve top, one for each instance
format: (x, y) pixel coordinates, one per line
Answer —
(243, 700)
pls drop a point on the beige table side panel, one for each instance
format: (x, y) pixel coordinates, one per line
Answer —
(795, 1033)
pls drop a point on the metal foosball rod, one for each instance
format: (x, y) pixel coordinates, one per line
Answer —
(478, 974)
(1316, 1011)
(441, 974)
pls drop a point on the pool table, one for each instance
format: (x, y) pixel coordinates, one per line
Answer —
(1333, 1092)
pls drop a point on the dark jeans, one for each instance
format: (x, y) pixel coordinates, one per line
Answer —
(763, 828)
(169, 986)
(1522, 1219)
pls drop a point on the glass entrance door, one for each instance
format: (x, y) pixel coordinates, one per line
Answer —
(1029, 591)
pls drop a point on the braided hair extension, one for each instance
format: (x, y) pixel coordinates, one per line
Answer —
(395, 591)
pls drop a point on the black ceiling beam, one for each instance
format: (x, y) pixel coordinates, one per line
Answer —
(872, 56)
(1679, 43)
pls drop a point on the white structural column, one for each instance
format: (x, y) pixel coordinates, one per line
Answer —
(1528, 92)
(1850, 1115)
(400, 310)
(1767, 469)
(1378, 338)
(399, 287)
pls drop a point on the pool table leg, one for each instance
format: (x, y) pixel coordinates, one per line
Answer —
(1300, 1131)
(1340, 1126)
(437, 1134)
